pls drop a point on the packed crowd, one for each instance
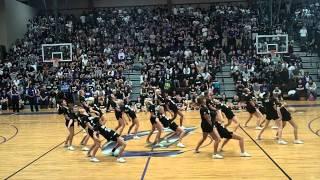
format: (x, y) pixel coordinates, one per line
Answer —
(180, 50)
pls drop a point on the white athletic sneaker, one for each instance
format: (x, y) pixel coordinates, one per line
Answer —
(94, 159)
(116, 152)
(160, 145)
(258, 128)
(274, 127)
(217, 156)
(298, 142)
(85, 148)
(245, 154)
(71, 148)
(136, 137)
(282, 142)
(180, 145)
(121, 160)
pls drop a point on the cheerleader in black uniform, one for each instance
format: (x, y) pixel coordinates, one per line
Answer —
(133, 117)
(228, 113)
(119, 110)
(166, 122)
(89, 110)
(160, 100)
(63, 109)
(272, 114)
(89, 123)
(111, 135)
(227, 135)
(156, 124)
(172, 106)
(285, 116)
(208, 128)
(251, 108)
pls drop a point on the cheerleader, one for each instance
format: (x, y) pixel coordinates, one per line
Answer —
(110, 135)
(172, 106)
(119, 110)
(227, 135)
(89, 123)
(166, 122)
(131, 114)
(155, 123)
(63, 109)
(228, 113)
(89, 110)
(208, 128)
(285, 116)
(251, 108)
(272, 114)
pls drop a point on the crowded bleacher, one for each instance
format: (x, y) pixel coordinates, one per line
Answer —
(179, 50)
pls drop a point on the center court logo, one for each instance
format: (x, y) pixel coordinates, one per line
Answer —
(154, 151)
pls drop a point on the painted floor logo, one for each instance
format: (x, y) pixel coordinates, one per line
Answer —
(154, 150)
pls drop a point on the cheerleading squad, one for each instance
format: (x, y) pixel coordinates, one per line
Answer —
(163, 112)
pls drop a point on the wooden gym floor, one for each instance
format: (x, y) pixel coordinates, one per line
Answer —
(31, 147)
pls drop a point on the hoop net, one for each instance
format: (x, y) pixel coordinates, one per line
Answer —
(273, 53)
(55, 62)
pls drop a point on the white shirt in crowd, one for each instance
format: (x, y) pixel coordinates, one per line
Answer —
(204, 52)
(291, 68)
(84, 60)
(279, 31)
(187, 53)
(186, 70)
(109, 61)
(99, 93)
(204, 32)
(311, 87)
(303, 32)
(266, 60)
(121, 55)
(205, 75)
(99, 19)
(246, 76)
(285, 65)
(83, 19)
(107, 50)
(8, 64)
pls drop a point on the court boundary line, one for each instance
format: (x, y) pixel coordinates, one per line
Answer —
(310, 128)
(145, 168)
(15, 134)
(265, 152)
(4, 139)
(41, 156)
(147, 164)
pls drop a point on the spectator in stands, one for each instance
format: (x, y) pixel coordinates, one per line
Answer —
(300, 90)
(303, 34)
(311, 88)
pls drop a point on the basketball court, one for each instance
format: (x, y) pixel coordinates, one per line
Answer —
(31, 147)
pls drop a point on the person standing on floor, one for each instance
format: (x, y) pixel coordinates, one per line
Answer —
(15, 97)
(32, 97)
